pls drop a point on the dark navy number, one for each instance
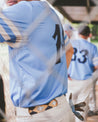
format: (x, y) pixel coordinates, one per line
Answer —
(74, 58)
(83, 53)
(84, 56)
(58, 44)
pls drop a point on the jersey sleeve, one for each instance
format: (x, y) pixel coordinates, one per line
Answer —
(95, 57)
(9, 33)
(11, 23)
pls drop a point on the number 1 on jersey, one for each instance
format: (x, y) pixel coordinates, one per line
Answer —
(58, 44)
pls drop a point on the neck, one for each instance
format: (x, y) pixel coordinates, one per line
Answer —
(84, 37)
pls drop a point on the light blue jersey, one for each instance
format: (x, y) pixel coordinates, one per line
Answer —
(84, 59)
(32, 82)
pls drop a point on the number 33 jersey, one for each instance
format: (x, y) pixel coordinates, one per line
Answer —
(84, 59)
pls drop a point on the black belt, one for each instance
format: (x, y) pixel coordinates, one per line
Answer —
(41, 108)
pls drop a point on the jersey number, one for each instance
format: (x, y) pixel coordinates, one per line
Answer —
(84, 54)
(57, 36)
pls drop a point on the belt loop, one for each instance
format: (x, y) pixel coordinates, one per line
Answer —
(64, 94)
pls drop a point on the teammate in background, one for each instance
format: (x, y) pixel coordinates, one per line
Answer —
(68, 32)
(37, 93)
(85, 56)
(68, 29)
(84, 61)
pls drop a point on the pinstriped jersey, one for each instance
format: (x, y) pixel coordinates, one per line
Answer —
(35, 37)
(84, 59)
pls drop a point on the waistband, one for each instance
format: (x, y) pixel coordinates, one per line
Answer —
(40, 108)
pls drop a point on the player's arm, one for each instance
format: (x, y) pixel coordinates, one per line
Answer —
(95, 68)
(69, 51)
(69, 54)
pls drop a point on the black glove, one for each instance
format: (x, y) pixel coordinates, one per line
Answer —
(77, 107)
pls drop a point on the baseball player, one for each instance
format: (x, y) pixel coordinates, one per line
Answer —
(84, 60)
(68, 30)
(83, 63)
(38, 71)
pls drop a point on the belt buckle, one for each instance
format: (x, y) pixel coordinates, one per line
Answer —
(41, 108)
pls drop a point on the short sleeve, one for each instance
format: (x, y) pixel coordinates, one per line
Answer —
(11, 22)
(95, 56)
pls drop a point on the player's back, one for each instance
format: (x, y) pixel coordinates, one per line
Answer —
(81, 66)
(34, 67)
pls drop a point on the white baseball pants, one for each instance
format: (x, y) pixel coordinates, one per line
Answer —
(60, 113)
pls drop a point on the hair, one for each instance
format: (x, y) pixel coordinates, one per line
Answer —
(84, 30)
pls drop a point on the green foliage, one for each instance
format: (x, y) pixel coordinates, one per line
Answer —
(95, 33)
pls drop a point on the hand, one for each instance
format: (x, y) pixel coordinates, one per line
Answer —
(69, 77)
